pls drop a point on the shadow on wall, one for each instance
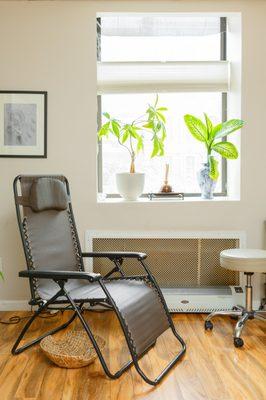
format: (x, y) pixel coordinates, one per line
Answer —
(12, 260)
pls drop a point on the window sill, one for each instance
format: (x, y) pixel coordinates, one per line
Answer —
(142, 200)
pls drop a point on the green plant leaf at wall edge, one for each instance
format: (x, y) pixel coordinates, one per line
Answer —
(105, 129)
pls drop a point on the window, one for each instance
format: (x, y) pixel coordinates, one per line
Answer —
(180, 57)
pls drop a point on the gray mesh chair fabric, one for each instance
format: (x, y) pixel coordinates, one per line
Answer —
(48, 194)
(56, 273)
(49, 231)
(138, 303)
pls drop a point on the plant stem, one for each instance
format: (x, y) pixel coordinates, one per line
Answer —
(125, 147)
(209, 150)
(132, 165)
(137, 120)
(132, 155)
(131, 146)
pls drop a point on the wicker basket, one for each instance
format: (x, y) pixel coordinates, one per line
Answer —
(74, 350)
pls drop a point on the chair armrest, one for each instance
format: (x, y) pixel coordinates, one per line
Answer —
(90, 276)
(116, 255)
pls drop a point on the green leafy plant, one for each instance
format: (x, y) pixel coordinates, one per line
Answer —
(1, 275)
(131, 135)
(212, 137)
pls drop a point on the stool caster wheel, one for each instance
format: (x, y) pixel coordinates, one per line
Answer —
(208, 325)
(238, 342)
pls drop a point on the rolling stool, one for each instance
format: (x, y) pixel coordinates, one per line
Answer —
(247, 261)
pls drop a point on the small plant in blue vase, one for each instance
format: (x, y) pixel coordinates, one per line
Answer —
(212, 137)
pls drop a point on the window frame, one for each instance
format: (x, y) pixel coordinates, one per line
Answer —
(224, 175)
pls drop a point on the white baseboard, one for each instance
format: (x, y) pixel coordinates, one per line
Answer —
(14, 305)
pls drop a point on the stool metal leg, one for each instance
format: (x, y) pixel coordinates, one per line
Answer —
(248, 292)
(243, 314)
(240, 325)
(232, 313)
(238, 342)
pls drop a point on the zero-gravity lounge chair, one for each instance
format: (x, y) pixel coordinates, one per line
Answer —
(57, 277)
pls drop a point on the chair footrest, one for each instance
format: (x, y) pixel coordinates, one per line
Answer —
(142, 310)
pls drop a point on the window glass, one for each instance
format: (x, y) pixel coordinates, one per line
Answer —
(182, 151)
(160, 38)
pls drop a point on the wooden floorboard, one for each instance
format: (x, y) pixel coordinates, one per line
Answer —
(212, 368)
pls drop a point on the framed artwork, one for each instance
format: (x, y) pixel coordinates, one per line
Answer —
(23, 124)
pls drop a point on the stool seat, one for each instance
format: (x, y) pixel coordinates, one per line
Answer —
(244, 260)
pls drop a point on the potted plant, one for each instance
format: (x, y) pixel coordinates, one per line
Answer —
(212, 137)
(130, 136)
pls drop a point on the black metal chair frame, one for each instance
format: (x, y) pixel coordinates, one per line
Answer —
(61, 277)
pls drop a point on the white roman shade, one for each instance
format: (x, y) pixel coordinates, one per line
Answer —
(149, 24)
(156, 77)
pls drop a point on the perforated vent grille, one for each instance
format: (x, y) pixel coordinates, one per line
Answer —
(174, 262)
(210, 272)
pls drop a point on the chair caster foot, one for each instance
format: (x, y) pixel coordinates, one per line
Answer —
(208, 325)
(238, 342)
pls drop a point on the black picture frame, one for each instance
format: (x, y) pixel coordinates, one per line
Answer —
(38, 123)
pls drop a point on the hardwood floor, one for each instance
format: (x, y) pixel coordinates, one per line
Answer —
(212, 368)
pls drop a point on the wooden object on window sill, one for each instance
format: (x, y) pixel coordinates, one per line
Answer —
(166, 188)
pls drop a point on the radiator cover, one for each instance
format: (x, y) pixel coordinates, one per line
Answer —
(203, 300)
(186, 268)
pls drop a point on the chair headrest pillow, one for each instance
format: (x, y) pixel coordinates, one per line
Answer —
(48, 194)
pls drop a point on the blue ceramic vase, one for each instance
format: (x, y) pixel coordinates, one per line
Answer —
(207, 184)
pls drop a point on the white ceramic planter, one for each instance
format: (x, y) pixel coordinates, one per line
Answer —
(130, 186)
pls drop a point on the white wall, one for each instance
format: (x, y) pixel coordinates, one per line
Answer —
(51, 46)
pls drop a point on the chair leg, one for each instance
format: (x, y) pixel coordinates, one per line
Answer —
(94, 343)
(238, 341)
(231, 313)
(158, 379)
(136, 357)
(240, 325)
(15, 350)
(236, 312)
